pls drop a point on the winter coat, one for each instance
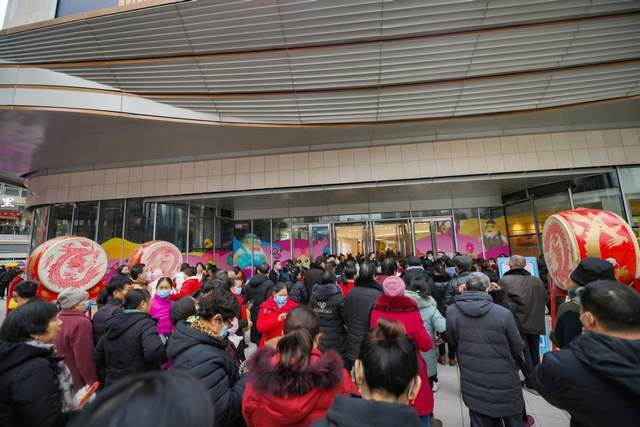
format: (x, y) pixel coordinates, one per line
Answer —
(160, 311)
(99, 320)
(357, 314)
(313, 276)
(487, 340)
(268, 324)
(29, 387)
(298, 292)
(415, 271)
(243, 306)
(129, 346)
(529, 294)
(269, 401)
(402, 309)
(188, 288)
(440, 293)
(74, 343)
(568, 326)
(352, 411)
(328, 302)
(258, 290)
(434, 323)
(596, 380)
(206, 358)
(346, 287)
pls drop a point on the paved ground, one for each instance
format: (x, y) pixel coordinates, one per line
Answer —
(452, 412)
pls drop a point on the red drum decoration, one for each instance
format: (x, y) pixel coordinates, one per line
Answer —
(158, 255)
(67, 262)
(573, 235)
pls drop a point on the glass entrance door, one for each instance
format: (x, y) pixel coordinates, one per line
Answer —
(434, 234)
(393, 237)
(310, 241)
(352, 238)
(320, 240)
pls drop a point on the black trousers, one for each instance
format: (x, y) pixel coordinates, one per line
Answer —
(480, 420)
(452, 350)
(533, 344)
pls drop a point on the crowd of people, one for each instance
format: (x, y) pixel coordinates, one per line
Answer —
(345, 342)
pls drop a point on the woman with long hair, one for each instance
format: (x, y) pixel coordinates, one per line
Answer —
(291, 382)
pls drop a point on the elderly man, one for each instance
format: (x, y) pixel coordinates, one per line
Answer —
(529, 294)
(487, 339)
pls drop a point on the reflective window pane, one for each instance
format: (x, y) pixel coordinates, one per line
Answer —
(281, 231)
(423, 236)
(301, 244)
(39, 232)
(201, 238)
(523, 239)
(468, 232)
(630, 180)
(85, 220)
(110, 220)
(139, 224)
(549, 205)
(598, 192)
(171, 224)
(223, 243)
(261, 241)
(494, 232)
(242, 246)
(60, 220)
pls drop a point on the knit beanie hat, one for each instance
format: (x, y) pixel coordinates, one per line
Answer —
(71, 297)
(393, 286)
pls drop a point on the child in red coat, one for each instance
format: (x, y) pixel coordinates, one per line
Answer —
(393, 305)
(273, 313)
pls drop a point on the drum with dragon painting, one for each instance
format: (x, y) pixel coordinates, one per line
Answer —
(573, 235)
(67, 262)
(158, 255)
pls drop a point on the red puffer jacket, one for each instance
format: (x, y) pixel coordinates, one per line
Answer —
(268, 324)
(269, 401)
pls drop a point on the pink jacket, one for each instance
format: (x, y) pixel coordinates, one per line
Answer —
(402, 309)
(160, 310)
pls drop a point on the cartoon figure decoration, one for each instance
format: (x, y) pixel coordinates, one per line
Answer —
(492, 236)
(573, 235)
(67, 262)
(158, 255)
(250, 247)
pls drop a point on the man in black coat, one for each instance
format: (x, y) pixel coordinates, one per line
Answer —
(327, 300)
(357, 310)
(415, 269)
(130, 345)
(117, 289)
(488, 341)
(597, 378)
(258, 290)
(313, 275)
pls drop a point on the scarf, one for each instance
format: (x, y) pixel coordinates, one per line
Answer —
(229, 348)
(69, 402)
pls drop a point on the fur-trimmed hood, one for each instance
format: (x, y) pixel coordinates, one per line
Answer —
(398, 304)
(324, 372)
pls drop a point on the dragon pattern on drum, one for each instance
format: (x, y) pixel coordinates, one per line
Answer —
(158, 255)
(573, 235)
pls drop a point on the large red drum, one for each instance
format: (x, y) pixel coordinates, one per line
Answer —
(158, 255)
(573, 235)
(67, 262)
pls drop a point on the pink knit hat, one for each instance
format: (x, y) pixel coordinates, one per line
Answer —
(393, 286)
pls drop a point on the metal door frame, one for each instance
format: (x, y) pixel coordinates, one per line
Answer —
(407, 221)
(367, 230)
(432, 220)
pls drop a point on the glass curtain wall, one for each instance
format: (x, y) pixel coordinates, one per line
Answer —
(281, 235)
(261, 240)
(630, 181)
(85, 220)
(39, 230)
(171, 224)
(523, 238)
(60, 220)
(493, 228)
(201, 234)
(110, 229)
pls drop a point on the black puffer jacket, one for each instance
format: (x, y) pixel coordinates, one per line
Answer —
(328, 302)
(99, 320)
(312, 276)
(29, 388)
(596, 379)
(351, 411)
(205, 358)
(298, 292)
(487, 340)
(129, 346)
(357, 314)
(257, 291)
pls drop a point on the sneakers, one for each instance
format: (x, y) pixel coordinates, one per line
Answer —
(436, 387)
